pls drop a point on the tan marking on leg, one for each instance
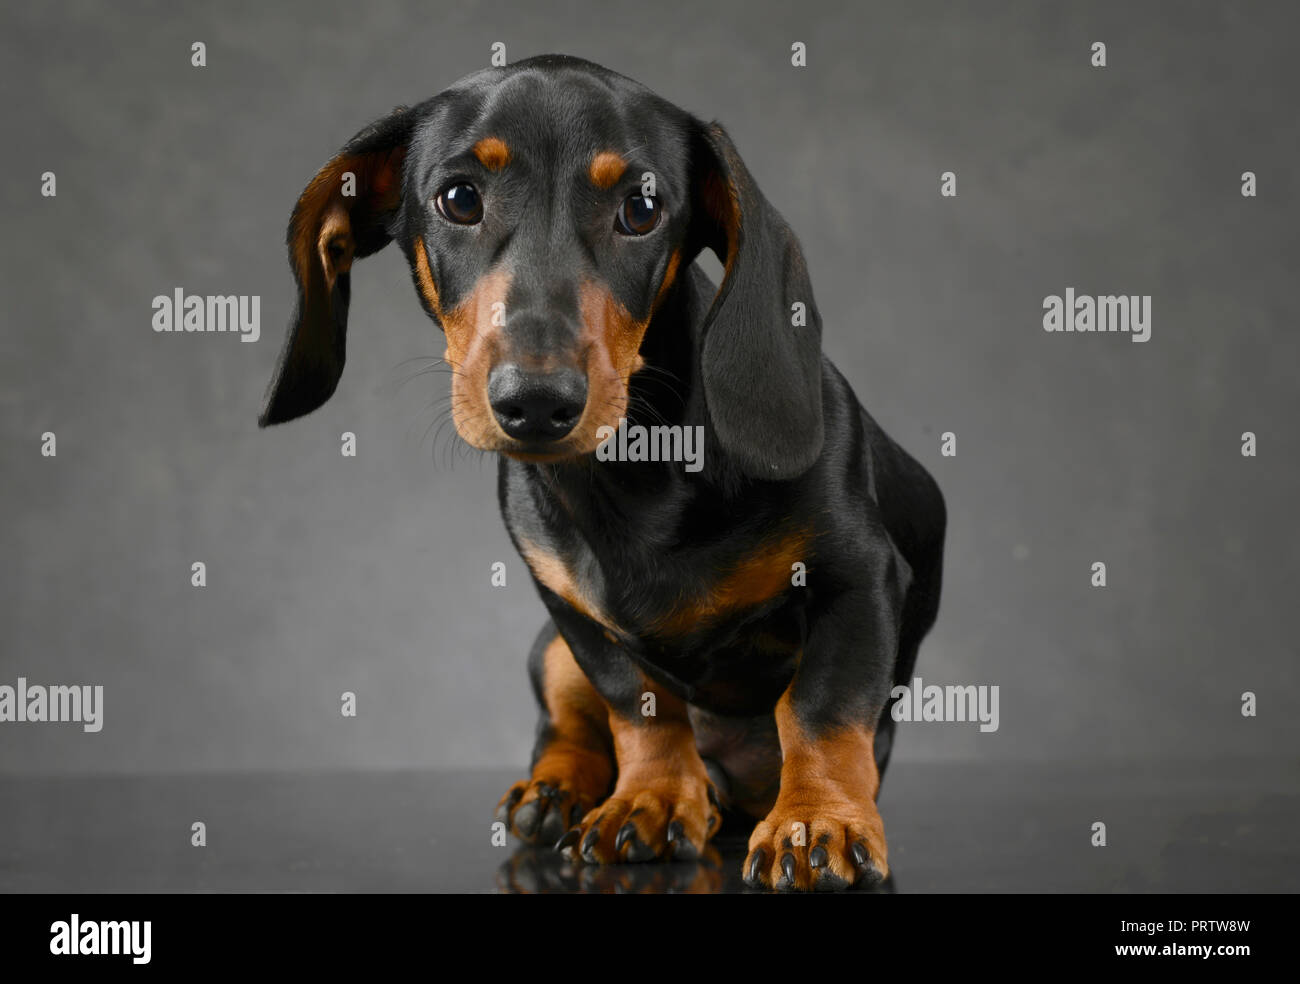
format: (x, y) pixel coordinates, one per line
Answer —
(828, 798)
(573, 771)
(662, 789)
(579, 753)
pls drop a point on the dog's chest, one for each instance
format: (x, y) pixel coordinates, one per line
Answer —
(724, 637)
(703, 591)
(672, 597)
(596, 588)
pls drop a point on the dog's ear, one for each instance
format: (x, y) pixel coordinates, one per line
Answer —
(760, 359)
(345, 213)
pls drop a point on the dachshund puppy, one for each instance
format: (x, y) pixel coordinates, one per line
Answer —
(725, 631)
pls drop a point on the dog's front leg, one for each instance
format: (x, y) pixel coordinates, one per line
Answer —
(663, 805)
(573, 762)
(825, 832)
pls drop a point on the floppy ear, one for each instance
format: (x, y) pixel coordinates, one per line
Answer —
(328, 229)
(760, 360)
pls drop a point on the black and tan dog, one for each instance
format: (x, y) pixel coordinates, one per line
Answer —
(769, 600)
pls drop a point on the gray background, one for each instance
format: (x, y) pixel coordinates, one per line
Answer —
(371, 574)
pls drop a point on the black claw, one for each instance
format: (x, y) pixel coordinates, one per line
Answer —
(503, 811)
(787, 871)
(588, 843)
(818, 858)
(675, 830)
(626, 833)
(569, 839)
(869, 873)
(861, 856)
(751, 877)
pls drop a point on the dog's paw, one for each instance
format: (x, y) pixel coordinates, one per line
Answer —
(539, 812)
(801, 848)
(670, 819)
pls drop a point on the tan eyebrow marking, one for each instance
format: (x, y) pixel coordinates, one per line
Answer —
(606, 168)
(492, 153)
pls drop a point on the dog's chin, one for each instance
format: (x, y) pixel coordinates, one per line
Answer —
(543, 452)
(540, 457)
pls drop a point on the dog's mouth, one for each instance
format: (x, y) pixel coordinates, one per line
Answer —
(537, 455)
(538, 452)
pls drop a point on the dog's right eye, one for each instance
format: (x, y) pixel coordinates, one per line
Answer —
(460, 203)
(637, 216)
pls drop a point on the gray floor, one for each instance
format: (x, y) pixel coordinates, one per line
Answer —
(1232, 827)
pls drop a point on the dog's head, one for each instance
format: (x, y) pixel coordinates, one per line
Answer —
(547, 211)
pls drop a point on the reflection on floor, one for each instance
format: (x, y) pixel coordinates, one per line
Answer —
(1190, 827)
(535, 871)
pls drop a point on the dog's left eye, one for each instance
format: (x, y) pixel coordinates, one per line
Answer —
(460, 203)
(638, 215)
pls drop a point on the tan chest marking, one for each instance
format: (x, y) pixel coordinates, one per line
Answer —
(552, 571)
(752, 581)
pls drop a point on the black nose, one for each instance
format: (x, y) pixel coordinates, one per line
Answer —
(532, 406)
